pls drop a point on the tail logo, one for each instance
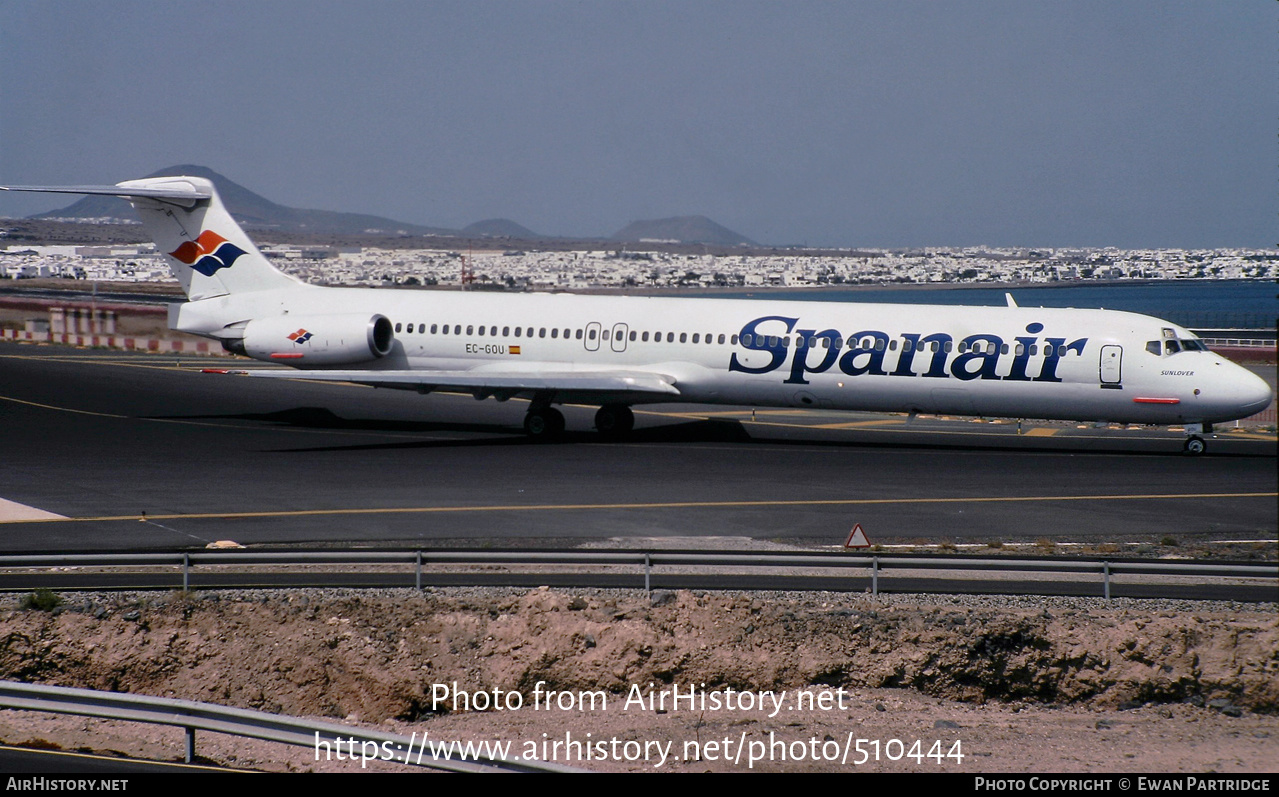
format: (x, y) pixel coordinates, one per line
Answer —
(208, 254)
(301, 336)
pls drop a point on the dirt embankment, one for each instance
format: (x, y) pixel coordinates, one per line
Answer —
(374, 656)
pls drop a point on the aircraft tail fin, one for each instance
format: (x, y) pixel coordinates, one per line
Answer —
(204, 247)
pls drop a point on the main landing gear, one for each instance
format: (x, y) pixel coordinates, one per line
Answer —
(544, 423)
(614, 420)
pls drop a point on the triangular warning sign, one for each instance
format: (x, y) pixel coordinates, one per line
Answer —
(857, 538)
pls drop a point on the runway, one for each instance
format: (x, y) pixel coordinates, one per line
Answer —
(98, 438)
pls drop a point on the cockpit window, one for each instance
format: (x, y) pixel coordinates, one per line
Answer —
(1153, 347)
(1172, 346)
(1193, 345)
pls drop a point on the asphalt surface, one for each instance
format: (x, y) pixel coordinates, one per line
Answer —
(103, 437)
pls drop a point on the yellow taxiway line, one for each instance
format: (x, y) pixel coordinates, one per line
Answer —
(423, 510)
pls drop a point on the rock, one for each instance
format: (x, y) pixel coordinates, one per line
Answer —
(661, 597)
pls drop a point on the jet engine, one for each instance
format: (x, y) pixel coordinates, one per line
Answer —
(316, 340)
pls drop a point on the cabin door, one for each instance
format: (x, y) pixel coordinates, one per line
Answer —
(619, 337)
(1112, 359)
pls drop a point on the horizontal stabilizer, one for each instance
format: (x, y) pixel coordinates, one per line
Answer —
(186, 197)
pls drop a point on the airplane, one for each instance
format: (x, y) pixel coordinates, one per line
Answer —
(616, 352)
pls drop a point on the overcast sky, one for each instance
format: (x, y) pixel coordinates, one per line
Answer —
(1119, 122)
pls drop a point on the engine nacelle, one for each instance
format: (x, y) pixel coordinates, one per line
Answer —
(317, 340)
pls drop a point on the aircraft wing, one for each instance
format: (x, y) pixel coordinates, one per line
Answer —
(640, 384)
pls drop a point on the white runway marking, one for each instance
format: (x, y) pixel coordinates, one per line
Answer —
(11, 510)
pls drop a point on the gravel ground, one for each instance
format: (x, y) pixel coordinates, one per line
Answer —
(983, 683)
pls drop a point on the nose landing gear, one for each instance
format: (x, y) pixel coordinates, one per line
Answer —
(1196, 445)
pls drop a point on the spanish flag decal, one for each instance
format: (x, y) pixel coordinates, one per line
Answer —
(515, 350)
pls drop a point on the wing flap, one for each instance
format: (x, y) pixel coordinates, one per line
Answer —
(537, 381)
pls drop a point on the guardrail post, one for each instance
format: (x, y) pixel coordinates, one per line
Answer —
(186, 572)
(417, 578)
(874, 575)
(648, 567)
(189, 758)
(1105, 578)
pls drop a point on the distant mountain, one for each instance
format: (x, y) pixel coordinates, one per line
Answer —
(684, 229)
(252, 210)
(500, 228)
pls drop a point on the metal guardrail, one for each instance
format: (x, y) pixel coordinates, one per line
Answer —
(360, 744)
(875, 564)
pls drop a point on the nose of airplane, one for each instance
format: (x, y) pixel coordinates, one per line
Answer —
(1253, 393)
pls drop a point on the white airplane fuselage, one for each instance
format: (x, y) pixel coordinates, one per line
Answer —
(994, 361)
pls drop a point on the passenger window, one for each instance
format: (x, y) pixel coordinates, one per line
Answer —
(892, 345)
(632, 336)
(481, 330)
(1003, 349)
(457, 329)
(435, 328)
(734, 338)
(670, 337)
(518, 330)
(578, 334)
(905, 345)
(721, 339)
(506, 332)
(644, 337)
(1034, 348)
(493, 331)
(683, 337)
(604, 335)
(590, 334)
(397, 326)
(529, 332)
(541, 333)
(747, 340)
(445, 330)
(879, 345)
(696, 337)
(555, 333)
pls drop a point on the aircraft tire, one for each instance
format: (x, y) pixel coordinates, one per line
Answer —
(544, 424)
(1195, 446)
(614, 420)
